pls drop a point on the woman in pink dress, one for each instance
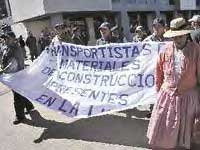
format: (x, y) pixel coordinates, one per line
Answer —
(177, 76)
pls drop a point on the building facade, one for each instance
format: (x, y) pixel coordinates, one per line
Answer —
(38, 14)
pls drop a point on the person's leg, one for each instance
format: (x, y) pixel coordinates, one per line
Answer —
(32, 57)
(35, 56)
(24, 52)
(150, 111)
(19, 108)
(28, 105)
(36, 53)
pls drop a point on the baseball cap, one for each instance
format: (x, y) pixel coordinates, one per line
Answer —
(104, 25)
(139, 28)
(159, 21)
(195, 18)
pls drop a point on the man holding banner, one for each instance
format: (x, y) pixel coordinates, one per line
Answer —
(177, 75)
(13, 61)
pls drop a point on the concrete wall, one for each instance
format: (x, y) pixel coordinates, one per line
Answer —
(56, 19)
(143, 5)
(185, 5)
(20, 29)
(35, 27)
(7, 20)
(56, 6)
(26, 9)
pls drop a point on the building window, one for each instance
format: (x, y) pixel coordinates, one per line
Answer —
(116, 1)
(171, 2)
(141, 1)
(198, 2)
(131, 1)
(3, 11)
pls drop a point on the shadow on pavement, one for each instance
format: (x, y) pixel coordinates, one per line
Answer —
(105, 129)
(136, 113)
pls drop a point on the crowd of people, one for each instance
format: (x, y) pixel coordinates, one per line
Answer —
(70, 34)
(177, 109)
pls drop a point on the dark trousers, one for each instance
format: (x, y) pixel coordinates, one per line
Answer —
(33, 56)
(20, 103)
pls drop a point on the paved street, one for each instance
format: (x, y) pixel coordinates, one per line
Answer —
(47, 129)
(51, 130)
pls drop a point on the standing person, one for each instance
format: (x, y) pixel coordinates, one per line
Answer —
(44, 40)
(13, 61)
(140, 34)
(22, 45)
(177, 75)
(84, 36)
(117, 32)
(41, 43)
(156, 36)
(32, 45)
(2, 46)
(195, 24)
(76, 36)
(61, 34)
(106, 36)
(158, 31)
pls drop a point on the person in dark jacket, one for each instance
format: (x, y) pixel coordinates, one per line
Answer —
(44, 40)
(156, 36)
(62, 34)
(106, 34)
(13, 61)
(117, 32)
(158, 31)
(140, 34)
(22, 45)
(32, 45)
(76, 36)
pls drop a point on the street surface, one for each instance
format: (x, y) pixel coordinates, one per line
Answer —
(50, 130)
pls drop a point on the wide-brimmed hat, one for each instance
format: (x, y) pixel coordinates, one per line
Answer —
(178, 27)
(105, 25)
(195, 18)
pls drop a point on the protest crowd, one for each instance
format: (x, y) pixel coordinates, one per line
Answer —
(175, 116)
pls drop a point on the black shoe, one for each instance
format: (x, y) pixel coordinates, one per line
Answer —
(148, 115)
(28, 110)
(18, 121)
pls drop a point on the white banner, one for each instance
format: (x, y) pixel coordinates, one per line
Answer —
(86, 81)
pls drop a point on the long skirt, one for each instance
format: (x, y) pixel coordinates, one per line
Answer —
(172, 119)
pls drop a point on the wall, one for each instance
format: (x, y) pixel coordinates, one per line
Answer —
(20, 29)
(142, 5)
(185, 5)
(56, 6)
(26, 9)
(35, 27)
